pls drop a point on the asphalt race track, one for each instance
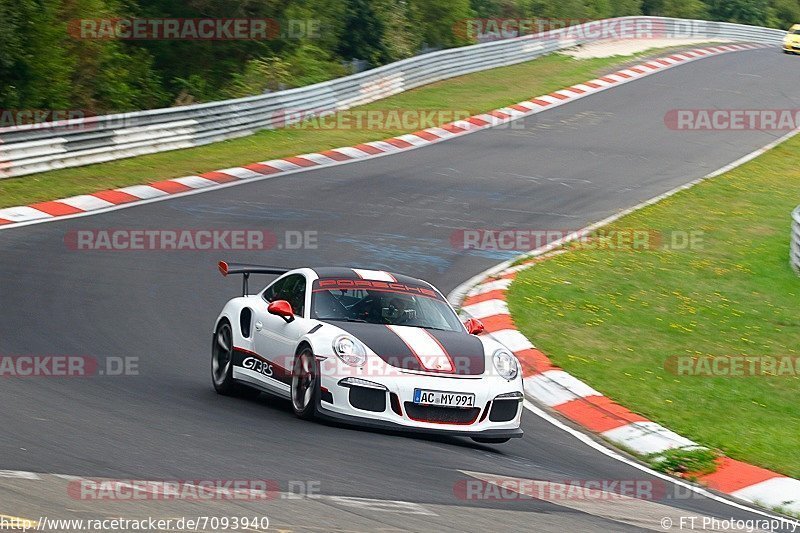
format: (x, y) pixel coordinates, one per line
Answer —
(563, 169)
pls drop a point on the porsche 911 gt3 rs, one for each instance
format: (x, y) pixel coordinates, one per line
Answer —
(366, 347)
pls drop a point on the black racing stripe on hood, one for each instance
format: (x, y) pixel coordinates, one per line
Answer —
(464, 349)
(383, 342)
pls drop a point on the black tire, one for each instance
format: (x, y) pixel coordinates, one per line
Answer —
(489, 440)
(305, 384)
(222, 364)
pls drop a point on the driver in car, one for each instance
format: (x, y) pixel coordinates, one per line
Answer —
(399, 310)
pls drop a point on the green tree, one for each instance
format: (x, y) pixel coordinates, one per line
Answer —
(653, 7)
(105, 75)
(564, 9)
(11, 51)
(687, 9)
(496, 8)
(622, 8)
(784, 13)
(440, 21)
(599, 9)
(35, 68)
(45, 62)
(308, 64)
(363, 33)
(399, 38)
(259, 76)
(754, 12)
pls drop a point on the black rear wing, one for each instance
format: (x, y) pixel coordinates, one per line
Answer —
(245, 269)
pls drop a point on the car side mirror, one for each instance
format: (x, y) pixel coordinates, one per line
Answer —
(474, 326)
(282, 308)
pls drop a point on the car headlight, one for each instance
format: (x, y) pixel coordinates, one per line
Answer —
(506, 364)
(349, 350)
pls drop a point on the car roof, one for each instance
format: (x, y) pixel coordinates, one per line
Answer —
(361, 273)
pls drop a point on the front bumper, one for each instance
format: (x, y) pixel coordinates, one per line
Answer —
(372, 423)
(396, 411)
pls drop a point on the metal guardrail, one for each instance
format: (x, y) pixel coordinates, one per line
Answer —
(794, 257)
(42, 147)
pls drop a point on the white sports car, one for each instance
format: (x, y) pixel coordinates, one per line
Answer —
(366, 347)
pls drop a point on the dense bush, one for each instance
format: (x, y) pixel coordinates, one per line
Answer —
(44, 66)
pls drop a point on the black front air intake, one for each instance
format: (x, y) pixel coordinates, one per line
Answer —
(368, 399)
(441, 415)
(504, 410)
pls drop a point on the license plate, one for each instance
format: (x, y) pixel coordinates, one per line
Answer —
(444, 399)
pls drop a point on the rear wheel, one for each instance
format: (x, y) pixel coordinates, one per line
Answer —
(222, 364)
(305, 384)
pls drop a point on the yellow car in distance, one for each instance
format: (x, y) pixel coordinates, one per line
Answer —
(791, 43)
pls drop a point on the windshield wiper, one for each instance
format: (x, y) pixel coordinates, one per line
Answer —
(431, 327)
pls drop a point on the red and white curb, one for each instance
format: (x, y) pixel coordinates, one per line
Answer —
(484, 297)
(138, 194)
(585, 406)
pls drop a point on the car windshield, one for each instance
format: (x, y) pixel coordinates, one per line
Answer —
(795, 31)
(393, 304)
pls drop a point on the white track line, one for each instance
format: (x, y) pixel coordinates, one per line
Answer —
(587, 440)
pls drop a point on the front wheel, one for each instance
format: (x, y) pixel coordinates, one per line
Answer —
(488, 440)
(305, 384)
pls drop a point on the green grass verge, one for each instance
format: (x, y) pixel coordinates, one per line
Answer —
(476, 93)
(688, 463)
(614, 319)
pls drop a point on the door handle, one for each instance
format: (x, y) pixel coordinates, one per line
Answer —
(259, 325)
